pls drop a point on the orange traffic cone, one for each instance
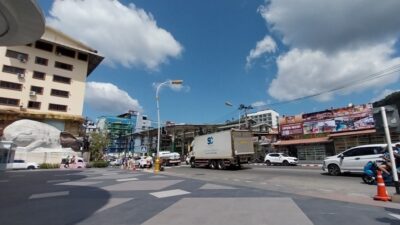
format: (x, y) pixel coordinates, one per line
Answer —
(382, 194)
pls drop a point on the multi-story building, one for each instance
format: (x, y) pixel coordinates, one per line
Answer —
(117, 128)
(45, 81)
(268, 117)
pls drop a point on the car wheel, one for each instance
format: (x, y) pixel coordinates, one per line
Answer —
(31, 168)
(268, 163)
(285, 163)
(333, 170)
(192, 163)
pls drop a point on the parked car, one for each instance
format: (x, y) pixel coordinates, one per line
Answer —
(20, 164)
(170, 158)
(280, 158)
(78, 164)
(146, 162)
(115, 162)
(354, 159)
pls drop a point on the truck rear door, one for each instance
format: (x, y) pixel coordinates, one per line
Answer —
(242, 142)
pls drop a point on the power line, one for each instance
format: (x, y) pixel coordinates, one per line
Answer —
(385, 72)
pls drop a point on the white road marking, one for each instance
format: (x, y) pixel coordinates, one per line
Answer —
(248, 181)
(108, 174)
(395, 215)
(170, 193)
(127, 179)
(80, 183)
(113, 202)
(57, 181)
(49, 194)
(236, 180)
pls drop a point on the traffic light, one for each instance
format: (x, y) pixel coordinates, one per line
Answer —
(392, 114)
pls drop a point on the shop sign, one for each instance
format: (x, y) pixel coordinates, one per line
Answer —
(291, 129)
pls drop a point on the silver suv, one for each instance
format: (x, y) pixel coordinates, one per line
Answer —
(354, 159)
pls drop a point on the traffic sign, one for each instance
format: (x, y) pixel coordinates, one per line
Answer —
(143, 149)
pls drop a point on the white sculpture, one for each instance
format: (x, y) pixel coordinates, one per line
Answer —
(31, 135)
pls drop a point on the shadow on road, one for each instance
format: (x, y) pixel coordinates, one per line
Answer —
(77, 204)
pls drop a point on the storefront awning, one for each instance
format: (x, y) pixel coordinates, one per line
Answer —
(360, 132)
(303, 141)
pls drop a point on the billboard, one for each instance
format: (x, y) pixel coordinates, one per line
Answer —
(336, 120)
(290, 129)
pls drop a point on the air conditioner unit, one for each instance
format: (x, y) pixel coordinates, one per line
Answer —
(32, 93)
(21, 75)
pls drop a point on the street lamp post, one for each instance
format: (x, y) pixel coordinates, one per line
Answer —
(241, 107)
(172, 82)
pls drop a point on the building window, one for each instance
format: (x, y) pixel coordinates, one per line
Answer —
(13, 70)
(10, 85)
(56, 107)
(39, 75)
(61, 79)
(34, 105)
(63, 66)
(38, 90)
(17, 55)
(9, 101)
(41, 61)
(59, 93)
(82, 56)
(65, 52)
(44, 46)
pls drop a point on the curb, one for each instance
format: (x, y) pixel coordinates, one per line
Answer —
(302, 165)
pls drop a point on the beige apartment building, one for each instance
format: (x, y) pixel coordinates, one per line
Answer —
(45, 81)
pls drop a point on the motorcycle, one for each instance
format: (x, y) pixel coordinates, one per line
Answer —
(369, 176)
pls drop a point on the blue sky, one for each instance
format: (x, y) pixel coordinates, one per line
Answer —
(245, 52)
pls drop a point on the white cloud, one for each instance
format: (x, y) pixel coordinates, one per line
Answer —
(332, 25)
(266, 45)
(126, 35)
(383, 94)
(108, 98)
(332, 44)
(258, 104)
(307, 72)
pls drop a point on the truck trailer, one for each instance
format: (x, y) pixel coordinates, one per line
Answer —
(222, 149)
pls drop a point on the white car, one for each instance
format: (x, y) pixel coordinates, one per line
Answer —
(280, 158)
(20, 164)
(354, 159)
(169, 158)
(146, 162)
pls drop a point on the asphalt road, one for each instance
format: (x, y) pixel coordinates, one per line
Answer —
(114, 196)
(309, 181)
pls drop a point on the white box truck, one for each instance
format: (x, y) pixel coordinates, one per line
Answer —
(222, 149)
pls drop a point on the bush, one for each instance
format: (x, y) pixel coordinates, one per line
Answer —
(49, 166)
(99, 164)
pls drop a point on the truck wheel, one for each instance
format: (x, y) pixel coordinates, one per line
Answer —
(221, 165)
(212, 164)
(192, 164)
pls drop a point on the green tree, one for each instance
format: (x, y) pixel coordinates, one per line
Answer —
(98, 142)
